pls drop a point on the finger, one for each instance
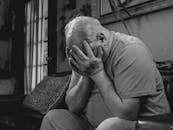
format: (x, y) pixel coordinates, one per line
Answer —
(76, 58)
(80, 54)
(75, 68)
(100, 52)
(73, 63)
(88, 49)
(95, 50)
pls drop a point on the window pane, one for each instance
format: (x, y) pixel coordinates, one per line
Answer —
(27, 56)
(40, 8)
(45, 71)
(45, 55)
(39, 30)
(28, 7)
(43, 29)
(45, 14)
(39, 54)
(41, 71)
(33, 77)
(45, 36)
(105, 7)
(35, 33)
(38, 74)
(34, 55)
(32, 11)
(27, 34)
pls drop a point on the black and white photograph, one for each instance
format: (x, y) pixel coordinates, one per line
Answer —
(86, 64)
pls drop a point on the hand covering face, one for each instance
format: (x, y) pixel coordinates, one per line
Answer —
(86, 64)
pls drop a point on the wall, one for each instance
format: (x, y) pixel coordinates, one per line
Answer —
(155, 29)
(5, 54)
(5, 45)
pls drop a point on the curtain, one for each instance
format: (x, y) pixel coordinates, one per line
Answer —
(36, 43)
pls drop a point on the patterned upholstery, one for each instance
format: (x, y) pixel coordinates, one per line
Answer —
(48, 92)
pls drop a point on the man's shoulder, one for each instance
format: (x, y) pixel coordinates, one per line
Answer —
(130, 49)
(128, 43)
(127, 39)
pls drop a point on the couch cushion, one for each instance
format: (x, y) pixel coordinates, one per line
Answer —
(46, 93)
(166, 70)
(168, 84)
(159, 122)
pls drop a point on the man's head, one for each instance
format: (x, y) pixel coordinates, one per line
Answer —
(87, 28)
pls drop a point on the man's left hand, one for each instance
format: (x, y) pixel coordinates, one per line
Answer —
(86, 64)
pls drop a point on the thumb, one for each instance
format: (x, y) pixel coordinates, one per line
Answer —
(100, 52)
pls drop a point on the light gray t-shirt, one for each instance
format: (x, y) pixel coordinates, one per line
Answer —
(133, 72)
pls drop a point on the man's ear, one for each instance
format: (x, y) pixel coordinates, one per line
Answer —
(101, 37)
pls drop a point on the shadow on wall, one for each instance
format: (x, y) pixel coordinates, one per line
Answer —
(154, 29)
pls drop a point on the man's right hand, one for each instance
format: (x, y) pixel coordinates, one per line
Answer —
(86, 64)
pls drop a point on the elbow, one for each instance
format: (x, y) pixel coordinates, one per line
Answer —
(69, 104)
(74, 109)
(73, 106)
(128, 115)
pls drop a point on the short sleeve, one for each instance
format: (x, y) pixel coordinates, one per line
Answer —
(134, 72)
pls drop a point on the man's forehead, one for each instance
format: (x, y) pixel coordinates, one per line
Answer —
(77, 37)
(75, 41)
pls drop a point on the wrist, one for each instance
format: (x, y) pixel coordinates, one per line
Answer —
(99, 76)
(85, 79)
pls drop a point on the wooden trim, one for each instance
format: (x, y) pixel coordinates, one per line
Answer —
(138, 10)
(61, 74)
(52, 36)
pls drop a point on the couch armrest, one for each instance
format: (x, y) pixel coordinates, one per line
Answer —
(160, 122)
(30, 113)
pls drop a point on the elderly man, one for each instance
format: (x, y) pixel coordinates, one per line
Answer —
(114, 80)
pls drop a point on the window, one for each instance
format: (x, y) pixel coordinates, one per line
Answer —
(36, 43)
(105, 7)
(128, 9)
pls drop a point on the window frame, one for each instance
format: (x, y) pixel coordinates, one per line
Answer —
(136, 10)
(36, 43)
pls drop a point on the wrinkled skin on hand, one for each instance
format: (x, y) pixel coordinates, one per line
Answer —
(86, 64)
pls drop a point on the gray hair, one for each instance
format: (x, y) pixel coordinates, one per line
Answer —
(78, 28)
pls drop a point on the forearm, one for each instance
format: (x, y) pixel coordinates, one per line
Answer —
(109, 95)
(91, 64)
(78, 96)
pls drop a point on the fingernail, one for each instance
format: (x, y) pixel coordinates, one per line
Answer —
(70, 51)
